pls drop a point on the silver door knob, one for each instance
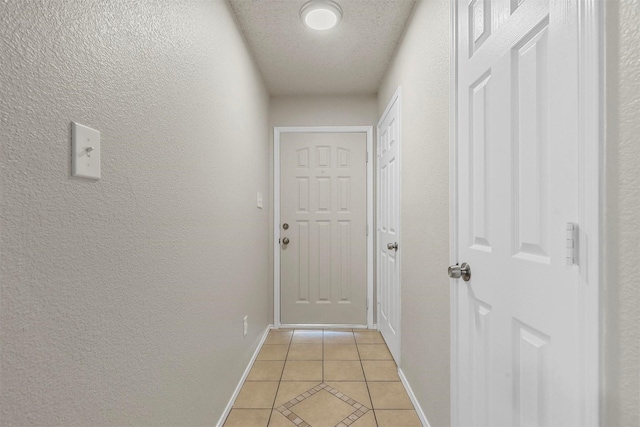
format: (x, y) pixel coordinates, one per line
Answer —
(285, 241)
(392, 246)
(458, 271)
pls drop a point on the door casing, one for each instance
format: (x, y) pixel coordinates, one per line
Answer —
(277, 131)
(591, 198)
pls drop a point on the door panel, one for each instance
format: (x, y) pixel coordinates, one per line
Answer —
(323, 199)
(388, 228)
(518, 357)
(479, 162)
(530, 154)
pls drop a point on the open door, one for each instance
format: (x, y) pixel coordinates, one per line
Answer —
(522, 343)
(389, 247)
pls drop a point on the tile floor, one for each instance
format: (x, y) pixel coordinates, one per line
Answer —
(323, 378)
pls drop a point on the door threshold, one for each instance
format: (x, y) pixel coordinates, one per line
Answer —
(323, 326)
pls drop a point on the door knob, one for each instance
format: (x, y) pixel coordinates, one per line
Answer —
(392, 246)
(458, 271)
(285, 241)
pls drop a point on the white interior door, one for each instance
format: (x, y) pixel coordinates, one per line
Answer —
(519, 360)
(388, 241)
(323, 202)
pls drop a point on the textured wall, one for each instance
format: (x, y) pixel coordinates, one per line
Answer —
(622, 216)
(310, 110)
(421, 67)
(116, 294)
(330, 110)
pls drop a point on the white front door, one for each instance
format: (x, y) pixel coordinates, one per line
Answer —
(519, 360)
(323, 216)
(389, 246)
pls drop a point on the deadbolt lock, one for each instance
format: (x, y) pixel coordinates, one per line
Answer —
(285, 226)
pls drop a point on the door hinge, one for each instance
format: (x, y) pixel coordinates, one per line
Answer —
(367, 303)
(572, 243)
(367, 229)
(367, 157)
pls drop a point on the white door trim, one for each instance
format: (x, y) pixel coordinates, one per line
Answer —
(453, 213)
(277, 131)
(592, 194)
(396, 97)
(592, 197)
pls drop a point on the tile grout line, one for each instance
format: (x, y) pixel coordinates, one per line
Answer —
(280, 380)
(375, 418)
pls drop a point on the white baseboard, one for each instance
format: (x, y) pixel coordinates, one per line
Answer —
(226, 411)
(414, 400)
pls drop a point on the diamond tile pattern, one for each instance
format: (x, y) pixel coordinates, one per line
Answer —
(323, 378)
(344, 410)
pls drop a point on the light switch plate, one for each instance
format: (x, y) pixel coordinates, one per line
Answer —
(85, 151)
(259, 201)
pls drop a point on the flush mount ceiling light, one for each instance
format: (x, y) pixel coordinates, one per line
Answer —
(321, 14)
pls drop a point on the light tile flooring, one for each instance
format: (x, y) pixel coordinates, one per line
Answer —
(323, 378)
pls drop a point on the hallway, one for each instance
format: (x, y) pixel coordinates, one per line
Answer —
(142, 298)
(331, 377)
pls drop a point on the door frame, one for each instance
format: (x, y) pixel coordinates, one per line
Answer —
(591, 70)
(277, 131)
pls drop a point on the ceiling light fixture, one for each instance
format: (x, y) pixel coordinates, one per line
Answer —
(321, 14)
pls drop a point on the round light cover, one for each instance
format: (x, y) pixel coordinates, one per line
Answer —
(321, 14)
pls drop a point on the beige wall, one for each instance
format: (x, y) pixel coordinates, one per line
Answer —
(622, 215)
(421, 67)
(323, 110)
(319, 110)
(122, 299)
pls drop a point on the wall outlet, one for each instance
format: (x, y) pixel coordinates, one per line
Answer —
(245, 326)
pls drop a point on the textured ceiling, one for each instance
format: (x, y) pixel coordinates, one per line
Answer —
(350, 59)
